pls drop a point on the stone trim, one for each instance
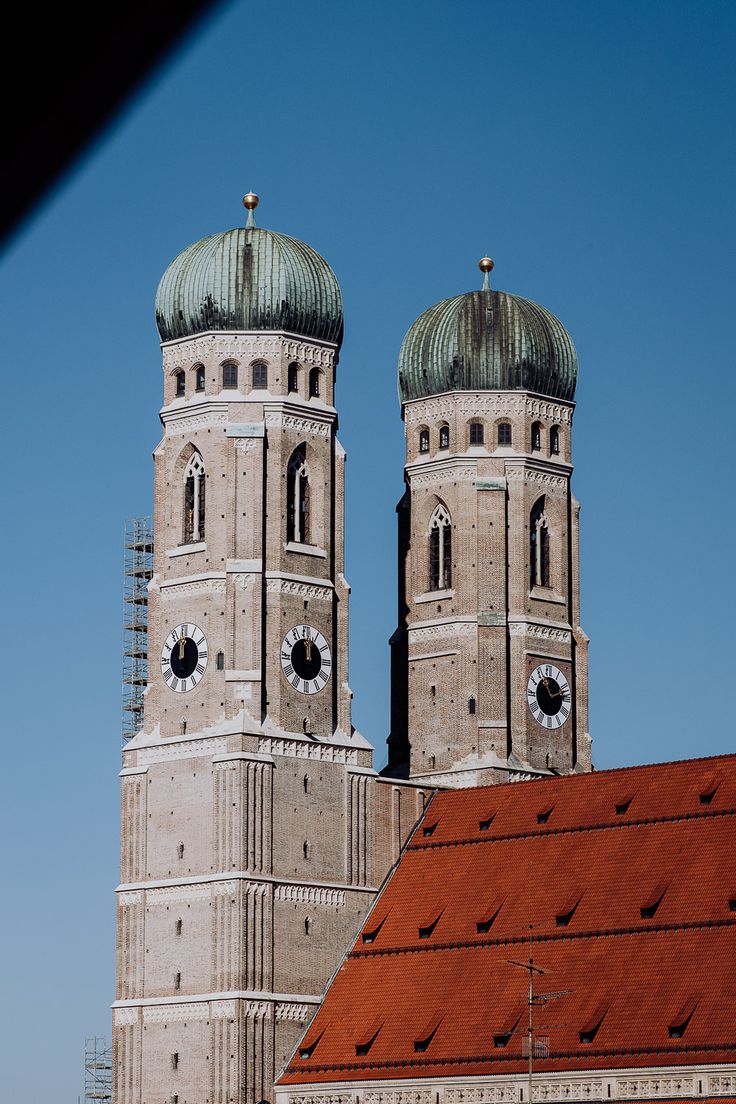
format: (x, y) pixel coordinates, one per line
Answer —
(297, 749)
(190, 749)
(310, 895)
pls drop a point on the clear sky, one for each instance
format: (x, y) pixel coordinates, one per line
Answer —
(588, 147)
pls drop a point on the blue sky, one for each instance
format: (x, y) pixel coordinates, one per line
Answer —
(588, 147)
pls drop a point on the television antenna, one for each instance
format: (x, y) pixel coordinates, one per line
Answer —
(535, 1047)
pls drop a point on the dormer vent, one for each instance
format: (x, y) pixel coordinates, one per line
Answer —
(708, 790)
(488, 916)
(678, 1025)
(426, 929)
(375, 923)
(590, 1028)
(427, 1033)
(544, 814)
(307, 1048)
(622, 806)
(365, 1041)
(567, 910)
(652, 902)
(486, 823)
(429, 826)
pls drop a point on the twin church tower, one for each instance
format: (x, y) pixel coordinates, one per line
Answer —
(255, 830)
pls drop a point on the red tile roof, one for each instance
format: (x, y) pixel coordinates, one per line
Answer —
(629, 885)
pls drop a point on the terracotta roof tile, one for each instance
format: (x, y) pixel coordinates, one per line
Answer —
(646, 990)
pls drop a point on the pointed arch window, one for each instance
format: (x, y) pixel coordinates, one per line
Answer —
(440, 550)
(199, 377)
(539, 573)
(260, 376)
(293, 377)
(554, 440)
(536, 436)
(230, 376)
(314, 375)
(444, 436)
(504, 433)
(181, 383)
(297, 497)
(194, 500)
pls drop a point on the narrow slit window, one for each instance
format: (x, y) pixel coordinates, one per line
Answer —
(230, 376)
(554, 440)
(536, 436)
(444, 436)
(471, 706)
(194, 500)
(424, 440)
(220, 661)
(260, 376)
(314, 384)
(297, 497)
(181, 384)
(199, 378)
(293, 377)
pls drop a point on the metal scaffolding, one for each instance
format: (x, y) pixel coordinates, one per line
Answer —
(97, 1070)
(138, 568)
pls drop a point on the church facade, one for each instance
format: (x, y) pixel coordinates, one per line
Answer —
(255, 831)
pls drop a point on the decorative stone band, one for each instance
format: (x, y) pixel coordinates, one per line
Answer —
(311, 895)
(126, 1017)
(486, 404)
(277, 419)
(448, 629)
(297, 749)
(217, 346)
(182, 749)
(212, 584)
(187, 421)
(441, 474)
(540, 632)
(518, 472)
(300, 589)
(294, 1013)
(683, 1083)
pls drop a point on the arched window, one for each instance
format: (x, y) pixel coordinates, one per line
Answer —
(554, 440)
(194, 500)
(440, 550)
(260, 376)
(293, 377)
(199, 377)
(538, 546)
(307, 850)
(181, 383)
(444, 436)
(297, 497)
(424, 440)
(536, 436)
(314, 374)
(504, 433)
(230, 376)
(476, 435)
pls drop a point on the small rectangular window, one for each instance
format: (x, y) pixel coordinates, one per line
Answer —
(476, 433)
(504, 433)
(260, 376)
(230, 377)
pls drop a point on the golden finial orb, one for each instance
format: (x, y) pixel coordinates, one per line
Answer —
(250, 201)
(485, 264)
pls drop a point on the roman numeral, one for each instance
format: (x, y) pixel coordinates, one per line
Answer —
(326, 662)
(200, 668)
(288, 670)
(306, 686)
(285, 655)
(323, 647)
(295, 682)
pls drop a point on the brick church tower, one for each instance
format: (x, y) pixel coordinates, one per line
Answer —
(489, 662)
(254, 829)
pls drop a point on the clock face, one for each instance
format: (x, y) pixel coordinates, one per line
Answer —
(184, 658)
(548, 695)
(305, 659)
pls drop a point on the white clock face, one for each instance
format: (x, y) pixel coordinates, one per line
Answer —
(184, 658)
(548, 695)
(305, 659)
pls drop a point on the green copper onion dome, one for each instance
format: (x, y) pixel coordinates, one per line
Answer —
(487, 341)
(249, 279)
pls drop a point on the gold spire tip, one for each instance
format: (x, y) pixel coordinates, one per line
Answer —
(250, 201)
(485, 264)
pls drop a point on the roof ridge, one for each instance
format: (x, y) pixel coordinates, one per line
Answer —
(561, 830)
(542, 937)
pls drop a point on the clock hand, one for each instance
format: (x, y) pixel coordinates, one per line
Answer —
(182, 645)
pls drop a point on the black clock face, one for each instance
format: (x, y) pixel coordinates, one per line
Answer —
(548, 695)
(184, 658)
(305, 659)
